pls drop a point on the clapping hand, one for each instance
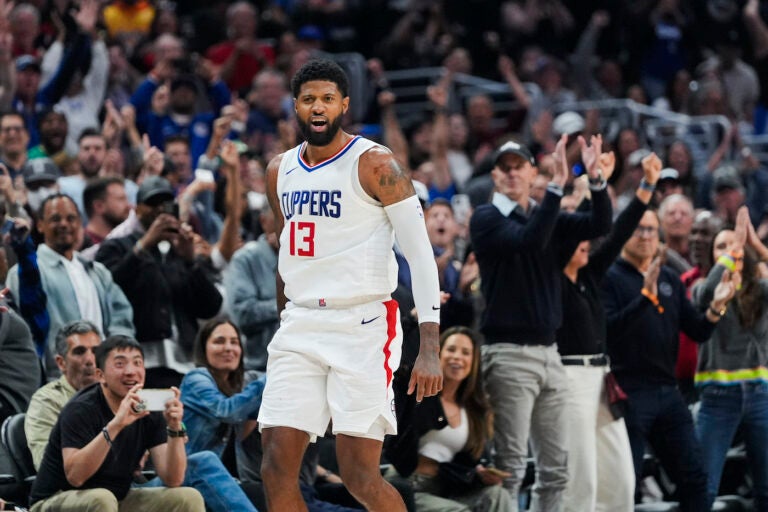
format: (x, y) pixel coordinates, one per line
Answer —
(590, 154)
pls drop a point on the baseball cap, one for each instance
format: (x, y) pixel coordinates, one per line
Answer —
(39, 170)
(727, 177)
(568, 123)
(513, 148)
(27, 62)
(669, 173)
(152, 188)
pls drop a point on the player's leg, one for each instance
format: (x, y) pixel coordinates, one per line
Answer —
(359, 459)
(283, 450)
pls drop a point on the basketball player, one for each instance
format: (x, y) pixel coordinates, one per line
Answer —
(338, 201)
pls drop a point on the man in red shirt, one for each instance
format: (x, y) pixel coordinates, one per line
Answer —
(242, 56)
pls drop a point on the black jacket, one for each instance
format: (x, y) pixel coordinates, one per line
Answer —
(519, 270)
(160, 286)
(642, 341)
(413, 421)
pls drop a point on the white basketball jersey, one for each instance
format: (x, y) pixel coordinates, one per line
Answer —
(336, 244)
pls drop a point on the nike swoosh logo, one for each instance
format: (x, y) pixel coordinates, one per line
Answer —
(364, 321)
(435, 309)
(289, 171)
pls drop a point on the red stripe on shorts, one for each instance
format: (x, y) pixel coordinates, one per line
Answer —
(391, 306)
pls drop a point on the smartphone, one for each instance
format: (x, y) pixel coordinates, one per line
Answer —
(204, 175)
(461, 208)
(155, 399)
(171, 208)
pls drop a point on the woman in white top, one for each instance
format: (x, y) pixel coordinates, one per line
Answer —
(441, 445)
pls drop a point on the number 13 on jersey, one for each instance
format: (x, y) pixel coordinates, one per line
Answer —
(302, 241)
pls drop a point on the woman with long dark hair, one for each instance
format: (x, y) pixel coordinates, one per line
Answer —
(732, 373)
(441, 444)
(215, 401)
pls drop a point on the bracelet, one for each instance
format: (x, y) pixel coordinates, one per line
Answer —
(177, 433)
(719, 314)
(653, 298)
(106, 436)
(138, 247)
(644, 185)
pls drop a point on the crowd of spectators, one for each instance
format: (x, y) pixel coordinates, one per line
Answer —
(134, 135)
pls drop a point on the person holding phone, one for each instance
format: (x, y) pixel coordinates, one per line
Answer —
(99, 439)
(442, 443)
(168, 285)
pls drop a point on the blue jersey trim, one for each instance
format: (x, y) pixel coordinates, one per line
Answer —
(339, 154)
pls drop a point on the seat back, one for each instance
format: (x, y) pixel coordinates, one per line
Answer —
(15, 442)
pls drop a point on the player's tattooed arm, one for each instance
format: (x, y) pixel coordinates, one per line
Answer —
(384, 178)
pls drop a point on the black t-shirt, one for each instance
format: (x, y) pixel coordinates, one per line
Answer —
(81, 420)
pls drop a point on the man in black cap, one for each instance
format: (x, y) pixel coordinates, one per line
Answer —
(516, 243)
(40, 178)
(169, 288)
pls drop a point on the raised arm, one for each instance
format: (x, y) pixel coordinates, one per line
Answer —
(598, 222)
(385, 180)
(603, 256)
(438, 95)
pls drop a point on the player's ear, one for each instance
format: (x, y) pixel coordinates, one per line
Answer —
(345, 105)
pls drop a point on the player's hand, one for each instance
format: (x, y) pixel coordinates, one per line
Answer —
(427, 376)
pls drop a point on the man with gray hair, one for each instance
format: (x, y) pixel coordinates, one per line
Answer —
(75, 357)
(676, 220)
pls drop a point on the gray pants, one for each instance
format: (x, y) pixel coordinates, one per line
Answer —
(527, 387)
(426, 490)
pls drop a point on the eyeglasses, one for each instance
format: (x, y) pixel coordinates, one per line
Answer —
(643, 231)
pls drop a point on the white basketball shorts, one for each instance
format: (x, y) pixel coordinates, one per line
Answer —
(334, 364)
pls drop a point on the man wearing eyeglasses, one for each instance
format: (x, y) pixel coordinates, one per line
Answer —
(646, 307)
(517, 243)
(13, 141)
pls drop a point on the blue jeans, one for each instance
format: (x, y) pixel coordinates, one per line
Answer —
(659, 416)
(207, 474)
(723, 408)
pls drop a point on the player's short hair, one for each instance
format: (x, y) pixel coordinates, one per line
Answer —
(320, 69)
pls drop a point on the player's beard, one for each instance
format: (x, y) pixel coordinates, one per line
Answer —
(319, 138)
